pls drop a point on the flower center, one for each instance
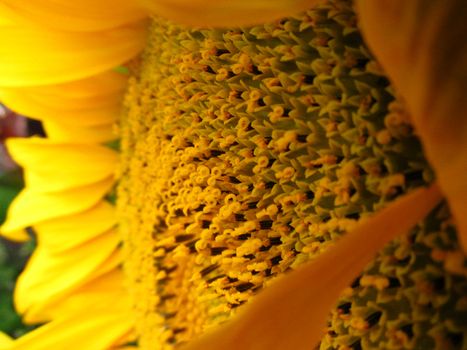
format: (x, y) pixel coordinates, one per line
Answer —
(246, 152)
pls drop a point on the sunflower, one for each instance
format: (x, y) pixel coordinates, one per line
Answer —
(265, 164)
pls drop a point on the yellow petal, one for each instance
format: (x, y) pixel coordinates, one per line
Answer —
(27, 208)
(60, 57)
(224, 13)
(87, 102)
(63, 132)
(69, 301)
(49, 275)
(82, 15)
(65, 233)
(106, 284)
(100, 324)
(64, 237)
(54, 166)
(421, 45)
(103, 286)
(5, 340)
(291, 312)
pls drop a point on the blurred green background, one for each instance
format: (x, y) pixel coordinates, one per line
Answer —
(13, 257)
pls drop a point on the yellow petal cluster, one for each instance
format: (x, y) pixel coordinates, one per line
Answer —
(59, 65)
(80, 16)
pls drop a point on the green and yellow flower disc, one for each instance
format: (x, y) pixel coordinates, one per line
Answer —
(246, 152)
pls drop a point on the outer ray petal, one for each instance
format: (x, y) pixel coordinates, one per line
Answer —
(291, 313)
(419, 44)
(62, 234)
(49, 276)
(98, 325)
(110, 283)
(86, 102)
(5, 340)
(62, 132)
(55, 166)
(107, 284)
(60, 238)
(82, 15)
(224, 13)
(27, 208)
(64, 56)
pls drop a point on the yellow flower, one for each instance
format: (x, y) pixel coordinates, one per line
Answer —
(58, 63)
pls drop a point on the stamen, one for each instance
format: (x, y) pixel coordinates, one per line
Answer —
(286, 313)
